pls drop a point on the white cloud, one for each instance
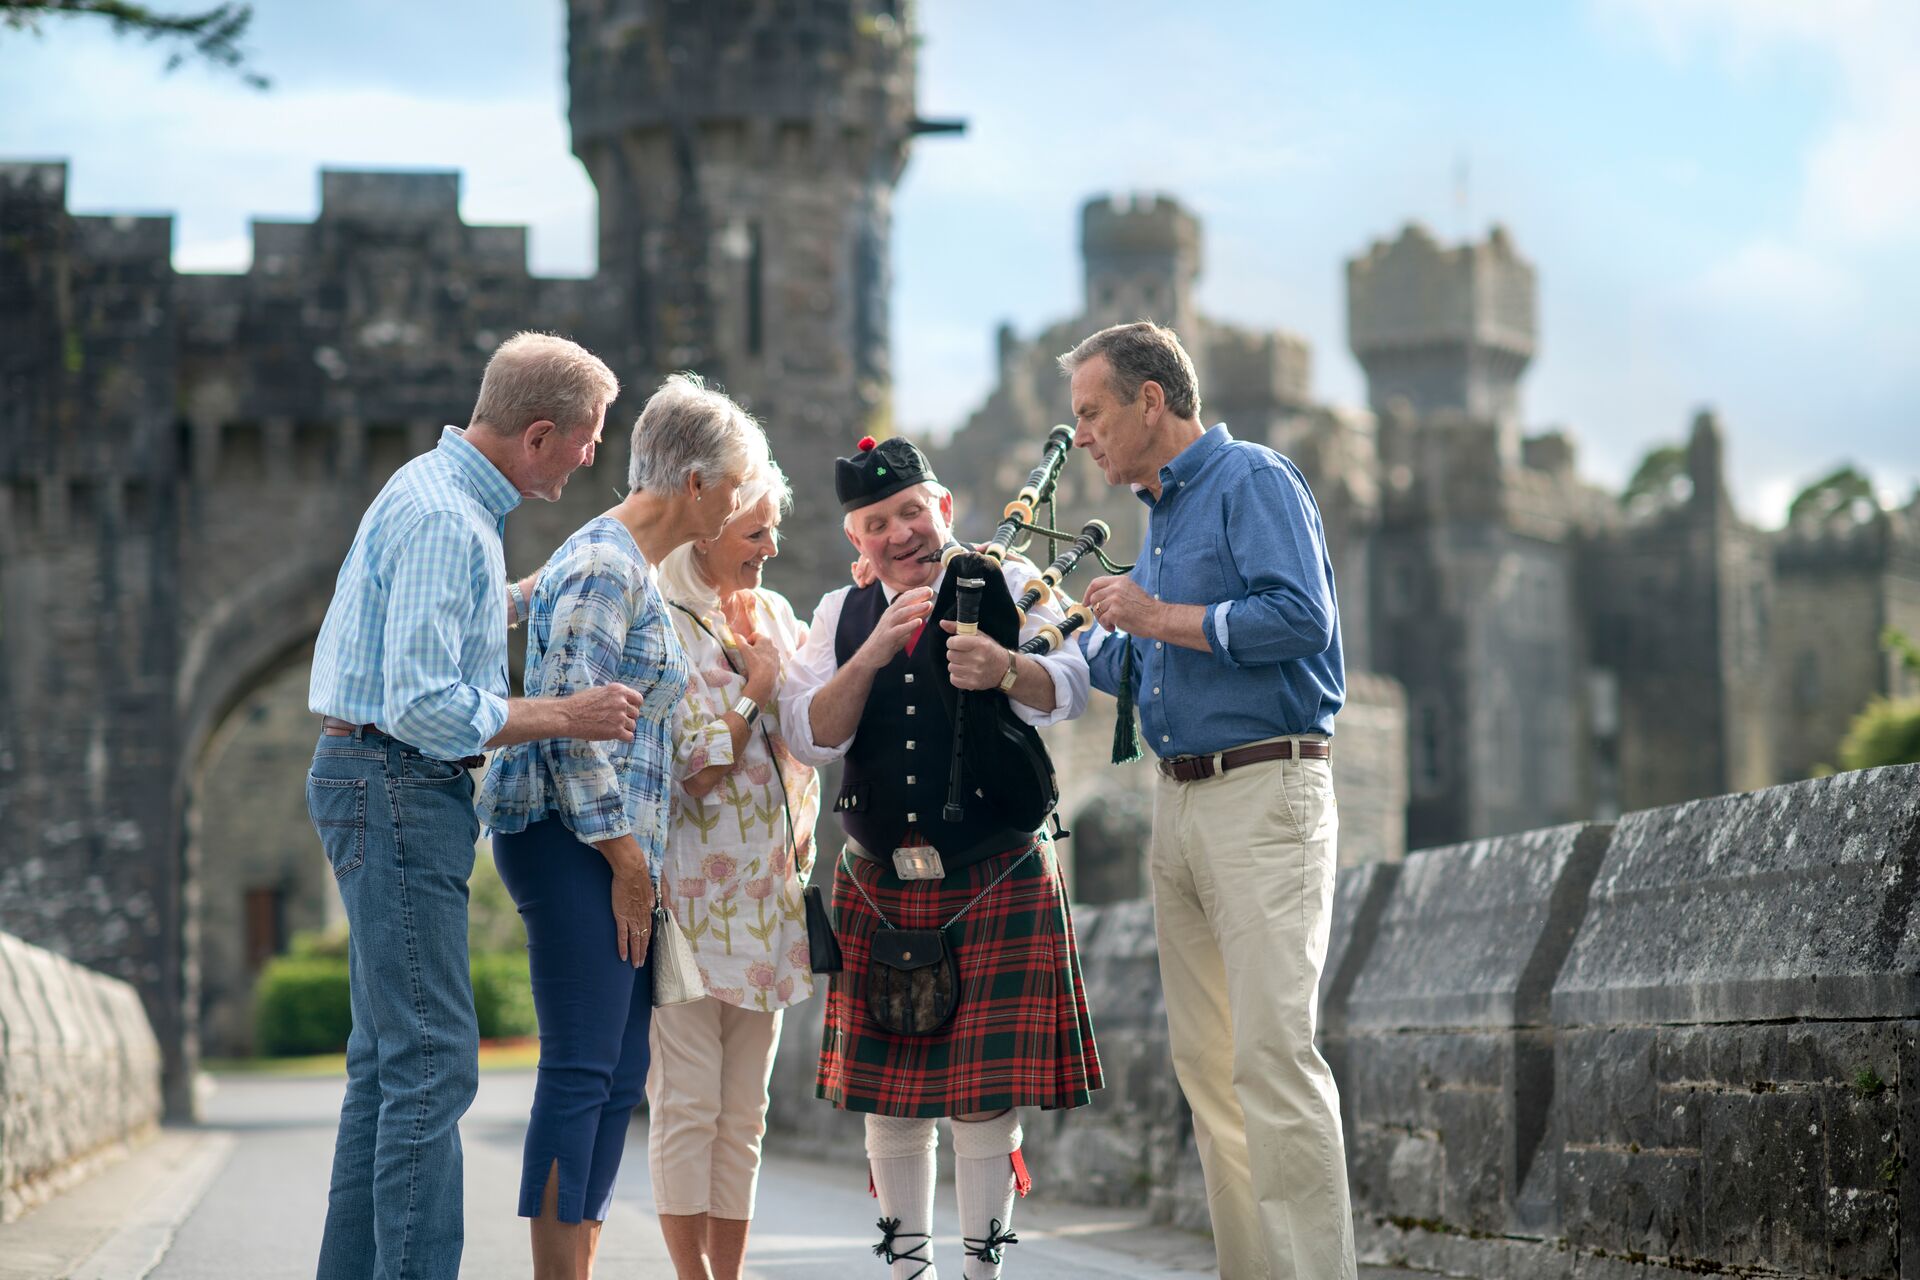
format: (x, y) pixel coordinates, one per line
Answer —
(1862, 177)
(1782, 279)
(262, 156)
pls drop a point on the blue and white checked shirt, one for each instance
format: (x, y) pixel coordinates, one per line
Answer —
(415, 640)
(597, 618)
(1234, 528)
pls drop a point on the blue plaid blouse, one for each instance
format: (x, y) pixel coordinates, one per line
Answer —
(597, 618)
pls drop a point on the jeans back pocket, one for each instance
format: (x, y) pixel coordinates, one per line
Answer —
(338, 807)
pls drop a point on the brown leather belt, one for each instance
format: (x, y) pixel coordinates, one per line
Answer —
(1195, 768)
(335, 727)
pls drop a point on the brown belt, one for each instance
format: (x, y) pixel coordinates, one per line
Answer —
(1195, 768)
(335, 727)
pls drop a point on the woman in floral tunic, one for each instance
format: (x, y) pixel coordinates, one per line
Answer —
(738, 849)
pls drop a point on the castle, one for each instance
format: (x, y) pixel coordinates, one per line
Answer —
(1524, 649)
(184, 458)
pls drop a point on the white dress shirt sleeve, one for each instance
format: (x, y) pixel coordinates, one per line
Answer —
(807, 672)
(1066, 665)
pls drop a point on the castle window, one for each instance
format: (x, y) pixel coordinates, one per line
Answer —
(1806, 681)
(1429, 760)
(756, 290)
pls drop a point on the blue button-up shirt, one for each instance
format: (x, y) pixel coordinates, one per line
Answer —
(1235, 528)
(415, 640)
(597, 618)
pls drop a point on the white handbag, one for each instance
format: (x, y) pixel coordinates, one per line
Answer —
(676, 974)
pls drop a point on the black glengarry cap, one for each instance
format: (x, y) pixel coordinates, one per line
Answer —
(879, 470)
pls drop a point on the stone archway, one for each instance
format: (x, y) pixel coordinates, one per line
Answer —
(259, 632)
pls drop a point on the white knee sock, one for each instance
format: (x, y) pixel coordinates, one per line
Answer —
(901, 1155)
(983, 1173)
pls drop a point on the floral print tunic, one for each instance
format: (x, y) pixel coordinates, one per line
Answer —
(732, 877)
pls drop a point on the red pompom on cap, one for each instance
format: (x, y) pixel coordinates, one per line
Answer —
(866, 443)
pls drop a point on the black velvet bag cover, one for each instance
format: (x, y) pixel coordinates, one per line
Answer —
(913, 984)
(1003, 759)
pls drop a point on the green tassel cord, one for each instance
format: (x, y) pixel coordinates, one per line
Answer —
(1126, 733)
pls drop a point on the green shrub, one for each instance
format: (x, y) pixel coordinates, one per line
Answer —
(302, 1004)
(1887, 732)
(503, 996)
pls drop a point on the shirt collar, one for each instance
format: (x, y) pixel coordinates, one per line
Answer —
(889, 594)
(1189, 462)
(495, 491)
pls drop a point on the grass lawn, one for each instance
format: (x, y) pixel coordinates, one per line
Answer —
(495, 1055)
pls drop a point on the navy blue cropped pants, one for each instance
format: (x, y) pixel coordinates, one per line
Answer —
(595, 1011)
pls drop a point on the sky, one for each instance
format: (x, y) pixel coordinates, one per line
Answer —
(1722, 197)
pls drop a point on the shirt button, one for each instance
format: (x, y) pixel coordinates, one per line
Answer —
(1156, 644)
(1163, 737)
(1156, 691)
(1156, 551)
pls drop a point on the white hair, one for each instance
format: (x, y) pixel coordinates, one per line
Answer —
(687, 428)
(680, 578)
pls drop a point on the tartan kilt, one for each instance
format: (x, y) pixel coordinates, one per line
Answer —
(1020, 1035)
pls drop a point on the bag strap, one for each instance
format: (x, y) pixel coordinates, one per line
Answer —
(773, 757)
(874, 907)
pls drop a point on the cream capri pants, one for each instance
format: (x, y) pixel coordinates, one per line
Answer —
(707, 1106)
(1242, 866)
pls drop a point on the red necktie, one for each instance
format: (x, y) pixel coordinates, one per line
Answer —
(914, 639)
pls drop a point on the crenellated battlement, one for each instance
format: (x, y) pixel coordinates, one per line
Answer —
(764, 79)
(1443, 327)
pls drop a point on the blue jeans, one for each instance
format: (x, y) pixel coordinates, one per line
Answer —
(595, 1012)
(399, 830)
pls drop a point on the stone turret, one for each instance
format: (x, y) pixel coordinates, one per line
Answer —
(1142, 256)
(1444, 328)
(745, 161)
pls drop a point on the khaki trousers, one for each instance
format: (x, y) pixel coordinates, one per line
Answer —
(707, 1106)
(1242, 866)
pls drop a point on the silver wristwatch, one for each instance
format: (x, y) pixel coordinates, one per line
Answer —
(519, 600)
(747, 709)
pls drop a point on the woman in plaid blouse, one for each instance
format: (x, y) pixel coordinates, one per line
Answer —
(580, 828)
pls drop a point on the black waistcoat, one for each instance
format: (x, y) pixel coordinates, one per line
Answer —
(896, 770)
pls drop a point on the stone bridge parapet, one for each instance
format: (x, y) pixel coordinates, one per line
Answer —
(1682, 1043)
(79, 1072)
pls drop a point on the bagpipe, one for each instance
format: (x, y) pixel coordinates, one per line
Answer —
(997, 753)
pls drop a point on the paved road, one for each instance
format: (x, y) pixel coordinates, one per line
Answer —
(242, 1197)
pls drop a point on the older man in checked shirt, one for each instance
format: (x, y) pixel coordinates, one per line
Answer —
(410, 679)
(1227, 634)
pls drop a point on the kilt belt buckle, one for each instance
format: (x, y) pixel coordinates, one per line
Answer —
(918, 860)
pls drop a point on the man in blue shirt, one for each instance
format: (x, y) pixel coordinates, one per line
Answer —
(1227, 636)
(410, 679)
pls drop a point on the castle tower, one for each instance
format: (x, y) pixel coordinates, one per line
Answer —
(1444, 328)
(745, 157)
(1142, 255)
